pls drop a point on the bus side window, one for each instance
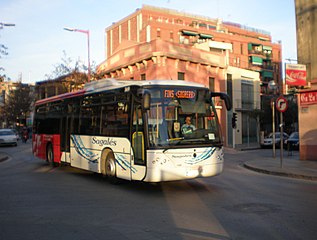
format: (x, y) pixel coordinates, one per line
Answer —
(122, 119)
(108, 118)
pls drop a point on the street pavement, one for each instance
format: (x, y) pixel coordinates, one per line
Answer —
(289, 165)
(3, 156)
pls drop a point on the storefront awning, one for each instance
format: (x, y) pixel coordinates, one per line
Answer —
(256, 60)
(267, 74)
(251, 45)
(264, 38)
(267, 48)
(205, 36)
(189, 33)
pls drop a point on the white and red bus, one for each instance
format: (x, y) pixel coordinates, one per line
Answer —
(132, 130)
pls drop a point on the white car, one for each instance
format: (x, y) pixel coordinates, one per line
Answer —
(8, 137)
(268, 141)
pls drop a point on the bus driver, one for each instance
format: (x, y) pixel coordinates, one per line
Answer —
(187, 126)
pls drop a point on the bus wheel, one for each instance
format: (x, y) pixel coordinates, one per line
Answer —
(50, 156)
(109, 165)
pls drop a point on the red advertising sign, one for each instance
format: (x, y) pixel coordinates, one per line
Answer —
(295, 74)
(308, 98)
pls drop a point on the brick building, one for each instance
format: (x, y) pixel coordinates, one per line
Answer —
(250, 48)
(306, 28)
(5, 89)
(157, 43)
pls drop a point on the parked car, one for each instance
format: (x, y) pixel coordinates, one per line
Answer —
(292, 142)
(8, 137)
(268, 141)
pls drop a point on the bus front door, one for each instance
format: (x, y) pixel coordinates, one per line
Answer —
(138, 163)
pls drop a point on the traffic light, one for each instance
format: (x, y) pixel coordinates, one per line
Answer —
(234, 120)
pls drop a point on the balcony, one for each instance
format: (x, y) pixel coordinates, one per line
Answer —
(255, 52)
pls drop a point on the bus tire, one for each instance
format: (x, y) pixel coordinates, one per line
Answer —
(108, 164)
(50, 156)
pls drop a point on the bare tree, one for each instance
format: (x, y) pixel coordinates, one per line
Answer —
(3, 52)
(66, 67)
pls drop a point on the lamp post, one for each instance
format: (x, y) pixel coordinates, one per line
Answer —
(87, 33)
(6, 25)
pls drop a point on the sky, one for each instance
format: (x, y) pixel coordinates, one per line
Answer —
(37, 42)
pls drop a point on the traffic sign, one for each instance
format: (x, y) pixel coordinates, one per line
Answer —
(281, 104)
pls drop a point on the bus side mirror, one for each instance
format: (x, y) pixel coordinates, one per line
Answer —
(224, 97)
(146, 101)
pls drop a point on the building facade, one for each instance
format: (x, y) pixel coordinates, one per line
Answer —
(251, 49)
(244, 88)
(157, 43)
(306, 29)
(68, 83)
(5, 88)
(17, 97)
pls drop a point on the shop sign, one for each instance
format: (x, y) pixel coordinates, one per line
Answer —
(308, 98)
(295, 74)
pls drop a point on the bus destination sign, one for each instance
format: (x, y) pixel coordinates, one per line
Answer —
(176, 93)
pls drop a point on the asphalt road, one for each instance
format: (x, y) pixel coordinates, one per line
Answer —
(40, 202)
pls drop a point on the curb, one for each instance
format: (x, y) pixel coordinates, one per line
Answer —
(281, 174)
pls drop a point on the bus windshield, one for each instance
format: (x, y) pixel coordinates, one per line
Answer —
(182, 116)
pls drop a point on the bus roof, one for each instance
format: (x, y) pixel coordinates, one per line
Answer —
(60, 97)
(110, 83)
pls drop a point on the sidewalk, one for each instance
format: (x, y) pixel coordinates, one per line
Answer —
(290, 166)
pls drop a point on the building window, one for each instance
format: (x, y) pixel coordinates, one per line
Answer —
(247, 93)
(148, 33)
(180, 76)
(158, 33)
(211, 84)
(229, 86)
(143, 76)
(171, 36)
(179, 21)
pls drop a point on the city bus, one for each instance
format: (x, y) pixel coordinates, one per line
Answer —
(128, 129)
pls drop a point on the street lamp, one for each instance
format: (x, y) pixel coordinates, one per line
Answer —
(85, 32)
(6, 25)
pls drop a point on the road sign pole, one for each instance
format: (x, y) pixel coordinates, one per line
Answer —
(282, 140)
(281, 106)
(273, 128)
